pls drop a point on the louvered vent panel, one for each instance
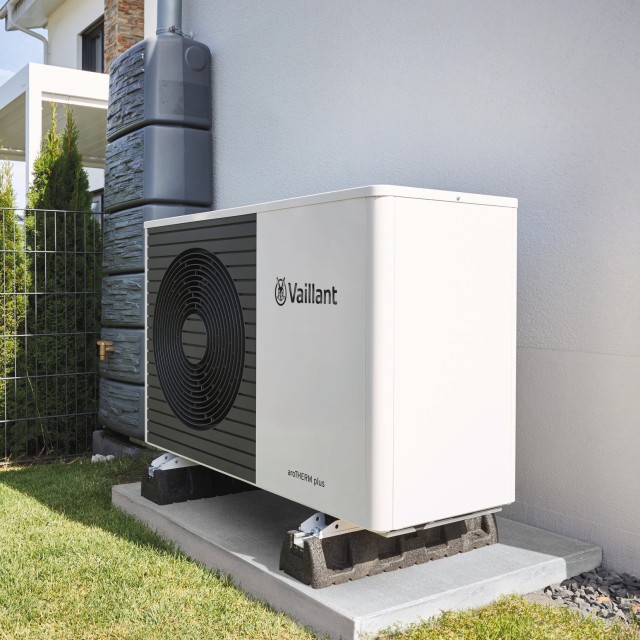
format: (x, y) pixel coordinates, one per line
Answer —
(201, 312)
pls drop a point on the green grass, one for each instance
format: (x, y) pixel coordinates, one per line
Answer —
(512, 618)
(72, 566)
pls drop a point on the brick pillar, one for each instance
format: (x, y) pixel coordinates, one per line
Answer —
(123, 27)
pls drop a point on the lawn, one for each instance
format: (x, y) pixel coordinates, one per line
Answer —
(72, 566)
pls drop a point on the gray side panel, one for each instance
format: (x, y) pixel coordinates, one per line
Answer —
(230, 445)
(158, 164)
(126, 362)
(126, 91)
(123, 300)
(122, 407)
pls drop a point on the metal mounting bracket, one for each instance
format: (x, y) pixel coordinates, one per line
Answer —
(169, 461)
(316, 525)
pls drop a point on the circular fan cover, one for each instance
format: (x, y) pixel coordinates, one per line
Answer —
(200, 382)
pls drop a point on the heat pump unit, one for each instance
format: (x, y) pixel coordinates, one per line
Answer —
(350, 351)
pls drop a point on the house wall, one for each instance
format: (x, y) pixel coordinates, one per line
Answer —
(65, 27)
(535, 99)
(150, 17)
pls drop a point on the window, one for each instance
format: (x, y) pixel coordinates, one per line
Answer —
(97, 197)
(93, 47)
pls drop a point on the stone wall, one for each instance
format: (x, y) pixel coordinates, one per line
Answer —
(123, 27)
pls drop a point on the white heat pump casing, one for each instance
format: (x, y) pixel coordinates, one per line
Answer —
(392, 403)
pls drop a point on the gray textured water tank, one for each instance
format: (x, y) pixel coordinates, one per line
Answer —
(158, 165)
(122, 235)
(162, 80)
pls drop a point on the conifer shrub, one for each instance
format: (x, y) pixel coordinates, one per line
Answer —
(14, 283)
(54, 401)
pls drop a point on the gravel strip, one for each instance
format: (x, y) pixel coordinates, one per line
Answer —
(600, 592)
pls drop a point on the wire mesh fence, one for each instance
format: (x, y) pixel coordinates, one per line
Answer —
(50, 313)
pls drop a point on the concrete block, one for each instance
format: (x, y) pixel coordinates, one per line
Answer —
(361, 554)
(107, 443)
(167, 486)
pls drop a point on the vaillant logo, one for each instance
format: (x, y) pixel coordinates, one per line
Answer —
(306, 293)
(281, 294)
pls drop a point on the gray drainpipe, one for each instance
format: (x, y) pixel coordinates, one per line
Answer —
(169, 17)
(19, 27)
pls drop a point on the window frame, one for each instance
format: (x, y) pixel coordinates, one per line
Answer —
(90, 61)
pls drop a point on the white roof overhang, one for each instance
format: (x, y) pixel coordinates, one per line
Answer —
(32, 91)
(30, 14)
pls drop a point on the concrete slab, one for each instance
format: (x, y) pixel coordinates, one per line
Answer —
(110, 444)
(241, 535)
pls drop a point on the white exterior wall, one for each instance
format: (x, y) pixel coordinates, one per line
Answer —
(65, 28)
(536, 100)
(150, 17)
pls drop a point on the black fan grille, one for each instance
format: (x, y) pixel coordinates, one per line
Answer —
(200, 393)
